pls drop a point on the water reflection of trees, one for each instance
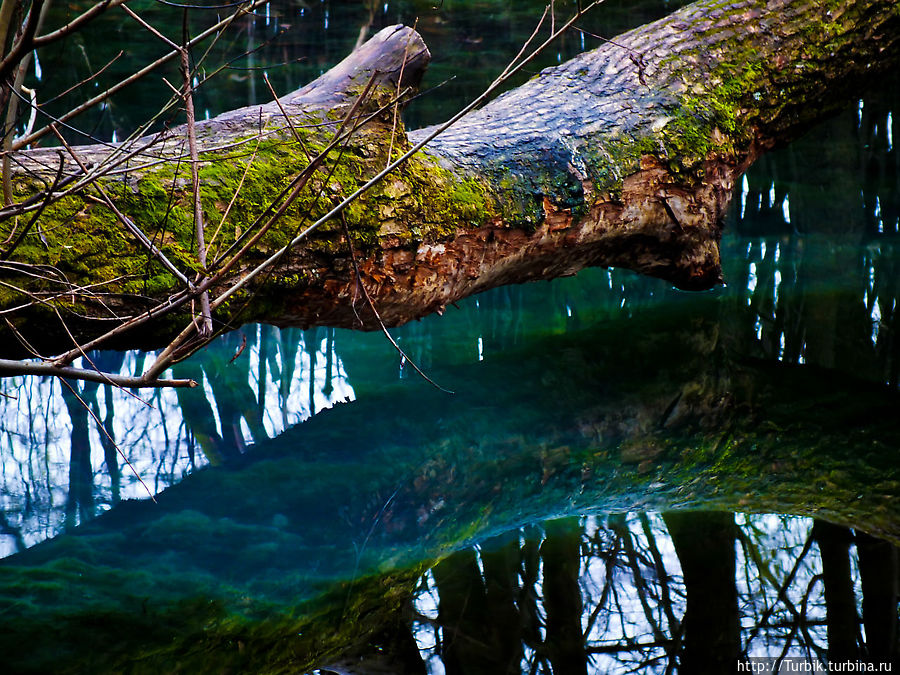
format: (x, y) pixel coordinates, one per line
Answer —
(822, 287)
(687, 591)
(811, 280)
(72, 450)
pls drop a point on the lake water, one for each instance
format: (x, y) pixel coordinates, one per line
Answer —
(628, 477)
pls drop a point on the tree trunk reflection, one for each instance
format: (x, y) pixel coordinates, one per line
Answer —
(705, 545)
(843, 623)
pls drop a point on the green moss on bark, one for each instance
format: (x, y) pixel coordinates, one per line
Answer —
(82, 240)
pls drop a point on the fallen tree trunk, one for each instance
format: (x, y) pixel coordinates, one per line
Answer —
(625, 156)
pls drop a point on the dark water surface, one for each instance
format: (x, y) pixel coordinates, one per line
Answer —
(628, 477)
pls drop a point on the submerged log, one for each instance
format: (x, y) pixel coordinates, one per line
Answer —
(624, 156)
(269, 563)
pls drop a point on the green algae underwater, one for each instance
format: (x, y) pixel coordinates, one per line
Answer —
(308, 545)
(610, 419)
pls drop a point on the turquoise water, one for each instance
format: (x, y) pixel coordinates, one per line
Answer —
(627, 477)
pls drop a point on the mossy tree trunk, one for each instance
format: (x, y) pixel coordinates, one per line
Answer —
(625, 156)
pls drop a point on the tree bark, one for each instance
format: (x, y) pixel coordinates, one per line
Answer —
(624, 156)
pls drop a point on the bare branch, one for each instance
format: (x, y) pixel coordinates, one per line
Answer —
(10, 367)
(125, 220)
(76, 23)
(371, 304)
(90, 103)
(134, 15)
(206, 327)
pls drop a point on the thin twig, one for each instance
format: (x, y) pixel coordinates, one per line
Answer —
(84, 355)
(287, 118)
(134, 15)
(22, 340)
(206, 327)
(106, 433)
(90, 77)
(371, 304)
(76, 23)
(102, 96)
(125, 220)
(399, 83)
(234, 197)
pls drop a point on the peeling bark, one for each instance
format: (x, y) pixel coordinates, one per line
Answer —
(624, 156)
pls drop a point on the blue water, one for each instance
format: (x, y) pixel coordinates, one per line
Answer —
(628, 477)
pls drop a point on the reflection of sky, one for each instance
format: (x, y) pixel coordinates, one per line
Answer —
(609, 575)
(775, 617)
(148, 427)
(297, 405)
(768, 554)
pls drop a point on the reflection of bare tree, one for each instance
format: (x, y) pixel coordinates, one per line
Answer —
(878, 573)
(704, 542)
(528, 593)
(371, 6)
(466, 645)
(500, 560)
(781, 611)
(661, 576)
(486, 630)
(13, 531)
(840, 602)
(665, 593)
(258, 382)
(310, 340)
(823, 288)
(561, 555)
(53, 442)
(80, 502)
(489, 614)
(632, 559)
(228, 371)
(198, 414)
(107, 362)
